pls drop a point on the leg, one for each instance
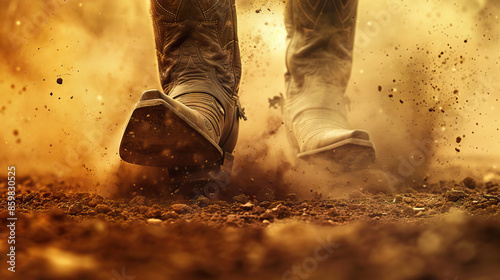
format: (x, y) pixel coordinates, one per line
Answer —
(193, 123)
(319, 59)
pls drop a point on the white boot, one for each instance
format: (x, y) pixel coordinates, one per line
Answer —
(319, 59)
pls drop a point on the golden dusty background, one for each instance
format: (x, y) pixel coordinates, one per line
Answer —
(439, 60)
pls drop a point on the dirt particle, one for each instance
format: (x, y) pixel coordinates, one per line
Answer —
(379, 88)
(470, 183)
(59, 81)
(459, 139)
(16, 133)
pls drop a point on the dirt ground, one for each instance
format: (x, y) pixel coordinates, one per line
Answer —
(448, 230)
(423, 71)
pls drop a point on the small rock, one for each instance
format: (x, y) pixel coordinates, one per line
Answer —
(268, 215)
(180, 208)
(470, 183)
(241, 198)
(153, 212)
(202, 201)
(58, 195)
(407, 200)
(169, 215)
(103, 208)
(455, 195)
(266, 222)
(398, 198)
(282, 211)
(154, 221)
(247, 206)
(138, 200)
(75, 209)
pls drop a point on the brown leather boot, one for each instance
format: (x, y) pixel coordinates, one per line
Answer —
(320, 37)
(194, 121)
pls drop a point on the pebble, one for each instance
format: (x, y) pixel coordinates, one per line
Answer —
(180, 208)
(247, 206)
(455, 195)
(283, 211)
(407, 200)
(102, 208)
(154, 221)
(202, 201)
(58, 195)
(169, 215)
(153, 212)
(268, 215)
(75, 209)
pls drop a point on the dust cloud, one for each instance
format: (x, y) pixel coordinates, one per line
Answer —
(423, 85)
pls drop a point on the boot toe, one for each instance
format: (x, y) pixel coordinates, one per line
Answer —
(350, 148)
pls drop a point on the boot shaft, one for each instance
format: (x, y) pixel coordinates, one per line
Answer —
(320, 37)
(197, 46)
(197, 50)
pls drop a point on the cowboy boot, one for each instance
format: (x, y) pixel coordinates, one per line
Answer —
(193, 123)
(320, 35)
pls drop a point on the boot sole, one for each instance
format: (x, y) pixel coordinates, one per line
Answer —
(351, 153)
(159, 135)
